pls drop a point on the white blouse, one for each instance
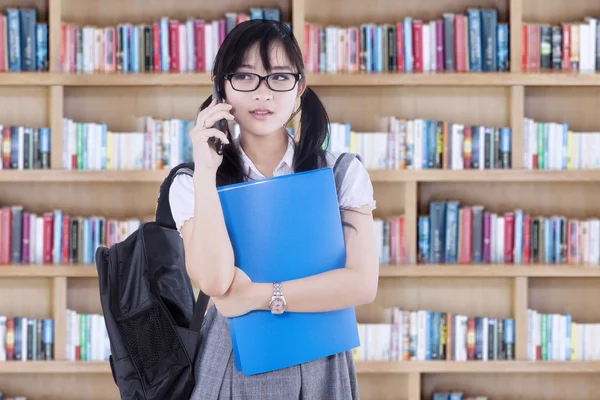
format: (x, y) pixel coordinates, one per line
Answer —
(356, 190)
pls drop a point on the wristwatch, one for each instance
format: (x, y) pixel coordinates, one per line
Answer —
(277, 303)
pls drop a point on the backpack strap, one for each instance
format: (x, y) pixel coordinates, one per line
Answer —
(164, 217)
(341, 167)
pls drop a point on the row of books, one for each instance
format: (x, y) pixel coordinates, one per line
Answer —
(157, 144)
(552, 145)
(164, 45)
(56, 237)
(24, 147)
(87, 337)
(568, 46)
(424, 335)
(557, 337)
(4, 397)
(391, 239)
(426, 144)
(470, 42)
(26, 338)
(455, 234)
(23, 41)
(455, 395)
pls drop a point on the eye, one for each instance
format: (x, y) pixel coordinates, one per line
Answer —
(281, 77)
(241, 77)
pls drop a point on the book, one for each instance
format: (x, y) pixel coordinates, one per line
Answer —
(284, 228)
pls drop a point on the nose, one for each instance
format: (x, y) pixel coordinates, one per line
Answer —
(263, 92)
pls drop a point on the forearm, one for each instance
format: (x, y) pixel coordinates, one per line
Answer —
(209, 253)
(328, 291)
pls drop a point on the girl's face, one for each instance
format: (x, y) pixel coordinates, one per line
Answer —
(263, 111)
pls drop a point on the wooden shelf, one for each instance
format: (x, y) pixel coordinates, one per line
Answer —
(362, 367)
(490, 271)
(48, 271)
(386, 367)
(385, 271)
(60, 175)
(499, 175)
(503, 79)
(54, 367)
(491, 175)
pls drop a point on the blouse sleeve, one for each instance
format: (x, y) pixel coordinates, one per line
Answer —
(181, 199)
(357, 189)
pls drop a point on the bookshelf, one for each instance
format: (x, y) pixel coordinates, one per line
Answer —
(492, 98)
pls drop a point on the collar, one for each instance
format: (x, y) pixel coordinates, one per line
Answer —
(286, 163)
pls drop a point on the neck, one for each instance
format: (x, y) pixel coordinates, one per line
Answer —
(265, 152)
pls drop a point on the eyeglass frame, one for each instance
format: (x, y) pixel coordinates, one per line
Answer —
(298, 77)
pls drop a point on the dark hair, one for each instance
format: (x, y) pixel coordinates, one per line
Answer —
(314, 121)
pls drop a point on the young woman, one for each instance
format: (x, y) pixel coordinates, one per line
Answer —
(259, 71)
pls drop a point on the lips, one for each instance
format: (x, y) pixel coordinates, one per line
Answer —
(261, 113)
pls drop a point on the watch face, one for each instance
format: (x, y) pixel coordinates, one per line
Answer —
(277, 306)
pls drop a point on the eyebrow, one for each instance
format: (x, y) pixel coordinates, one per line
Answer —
(274, 68)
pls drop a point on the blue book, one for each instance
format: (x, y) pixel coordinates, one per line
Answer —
(285, 228)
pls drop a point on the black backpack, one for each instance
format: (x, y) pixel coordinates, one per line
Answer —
(152, 318)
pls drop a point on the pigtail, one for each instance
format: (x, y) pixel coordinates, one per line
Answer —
(314, 131)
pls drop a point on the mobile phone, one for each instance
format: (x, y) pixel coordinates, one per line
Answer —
(221, 124)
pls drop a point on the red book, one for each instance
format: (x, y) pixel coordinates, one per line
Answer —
(466, 222)
(526, 238)
(524, 48)
(402, 232)
(460, 50)
(566, 48)
(533, 46)
(509, 243)
(48, 219)
(399, 47)
(199, 33)
(417, 44)
(174, 45)
(2, 42)
(5, 234)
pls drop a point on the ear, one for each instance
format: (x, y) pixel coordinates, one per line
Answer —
(301, 86)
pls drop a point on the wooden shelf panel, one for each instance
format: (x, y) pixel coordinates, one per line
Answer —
(47, 271)
(490, 270)
(59, 175)
(314, 79)
(54, 367)
(385, 271)
(391, 367)
(362, 367)
(499, 175)
(504, 175)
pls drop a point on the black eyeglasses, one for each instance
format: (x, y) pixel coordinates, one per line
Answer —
(249, 82)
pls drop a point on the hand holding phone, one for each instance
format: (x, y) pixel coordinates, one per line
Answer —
(221, 124)
(206, 136)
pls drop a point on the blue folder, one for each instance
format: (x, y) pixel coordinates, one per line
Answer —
(285, 228)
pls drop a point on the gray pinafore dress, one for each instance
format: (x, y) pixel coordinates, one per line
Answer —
(329, 378)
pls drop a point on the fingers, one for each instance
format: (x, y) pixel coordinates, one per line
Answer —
(211, 108)
(212, 118)
(217, 134)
